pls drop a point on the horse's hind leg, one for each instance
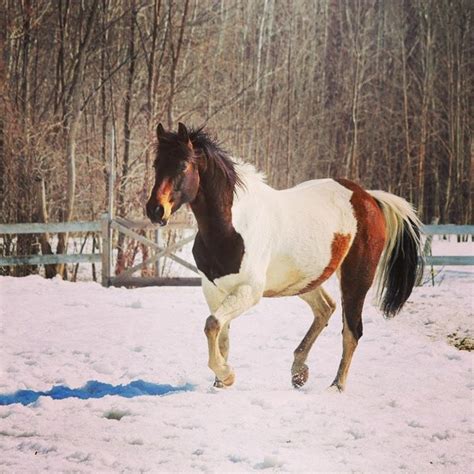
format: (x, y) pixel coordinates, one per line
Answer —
(322, 306)
(356, 274)
(351, 333)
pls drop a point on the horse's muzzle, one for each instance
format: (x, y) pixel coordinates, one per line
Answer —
(156, 215)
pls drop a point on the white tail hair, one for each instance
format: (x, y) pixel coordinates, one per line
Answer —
(400, 267)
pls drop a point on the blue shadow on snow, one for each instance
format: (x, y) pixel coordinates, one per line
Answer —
(94, 389)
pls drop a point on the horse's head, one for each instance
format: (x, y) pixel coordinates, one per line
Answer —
(176, 174)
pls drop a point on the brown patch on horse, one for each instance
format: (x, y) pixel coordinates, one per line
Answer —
(359, 266)
(212, 326)
(292, 277)
(371, 228)
(271, 293)
(339, 248)
(218, 248)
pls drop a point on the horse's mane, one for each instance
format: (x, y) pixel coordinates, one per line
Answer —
(217, 162)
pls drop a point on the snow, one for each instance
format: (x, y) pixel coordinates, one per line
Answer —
(408, 405)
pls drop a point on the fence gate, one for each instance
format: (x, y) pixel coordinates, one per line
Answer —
(129, 228)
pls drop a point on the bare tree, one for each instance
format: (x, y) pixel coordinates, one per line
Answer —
(380, 92)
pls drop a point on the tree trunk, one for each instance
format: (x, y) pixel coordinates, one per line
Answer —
(71, 125)
(121, 257)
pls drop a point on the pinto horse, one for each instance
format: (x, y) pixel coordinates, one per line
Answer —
(256, 241)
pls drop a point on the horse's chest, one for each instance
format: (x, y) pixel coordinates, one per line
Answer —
(219, 257)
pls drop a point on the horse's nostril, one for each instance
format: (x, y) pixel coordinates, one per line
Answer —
(159, 211)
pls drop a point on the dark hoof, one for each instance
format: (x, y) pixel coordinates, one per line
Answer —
(335, 388)
(227, 382)
(301, 377)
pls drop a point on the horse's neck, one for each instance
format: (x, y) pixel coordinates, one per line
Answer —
(213, 212)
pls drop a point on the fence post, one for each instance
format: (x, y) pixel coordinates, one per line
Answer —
(106, 249)
(106, 219)
(427, 249)
(158, 242)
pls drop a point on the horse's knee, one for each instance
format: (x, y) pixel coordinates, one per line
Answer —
(212, 326)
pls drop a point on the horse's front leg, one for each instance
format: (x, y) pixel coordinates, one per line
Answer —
(217, 360)
(224, 349)
(217, 326)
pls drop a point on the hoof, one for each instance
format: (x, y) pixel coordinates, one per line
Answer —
(335, 388)
(227, 382)
(301, 377)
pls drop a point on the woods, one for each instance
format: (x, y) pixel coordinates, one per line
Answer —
(376, 91)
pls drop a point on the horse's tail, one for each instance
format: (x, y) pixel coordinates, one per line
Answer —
(401, 266)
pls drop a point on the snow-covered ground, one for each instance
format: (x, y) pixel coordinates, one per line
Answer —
(408, 405)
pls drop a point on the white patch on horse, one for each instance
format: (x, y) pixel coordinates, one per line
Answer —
(287, 234)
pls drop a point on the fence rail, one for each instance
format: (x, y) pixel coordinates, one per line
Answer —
(451, 260)
(51, 227)
(129, 227)
(443, 260)
(448, 229)
(50, 259)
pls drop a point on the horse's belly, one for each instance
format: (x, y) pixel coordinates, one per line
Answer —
(285, 277)
(304, 271)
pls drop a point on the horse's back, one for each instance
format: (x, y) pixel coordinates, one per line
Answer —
(317, 208)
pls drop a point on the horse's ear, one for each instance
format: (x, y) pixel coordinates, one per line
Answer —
(183, 134)
(160, 131)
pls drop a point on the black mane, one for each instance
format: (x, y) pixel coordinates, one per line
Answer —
(217, 162)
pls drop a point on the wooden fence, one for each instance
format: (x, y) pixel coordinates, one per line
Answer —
(447, 229)
(39, 228)
(105, 226)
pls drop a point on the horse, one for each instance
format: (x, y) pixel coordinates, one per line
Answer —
(254, 241)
